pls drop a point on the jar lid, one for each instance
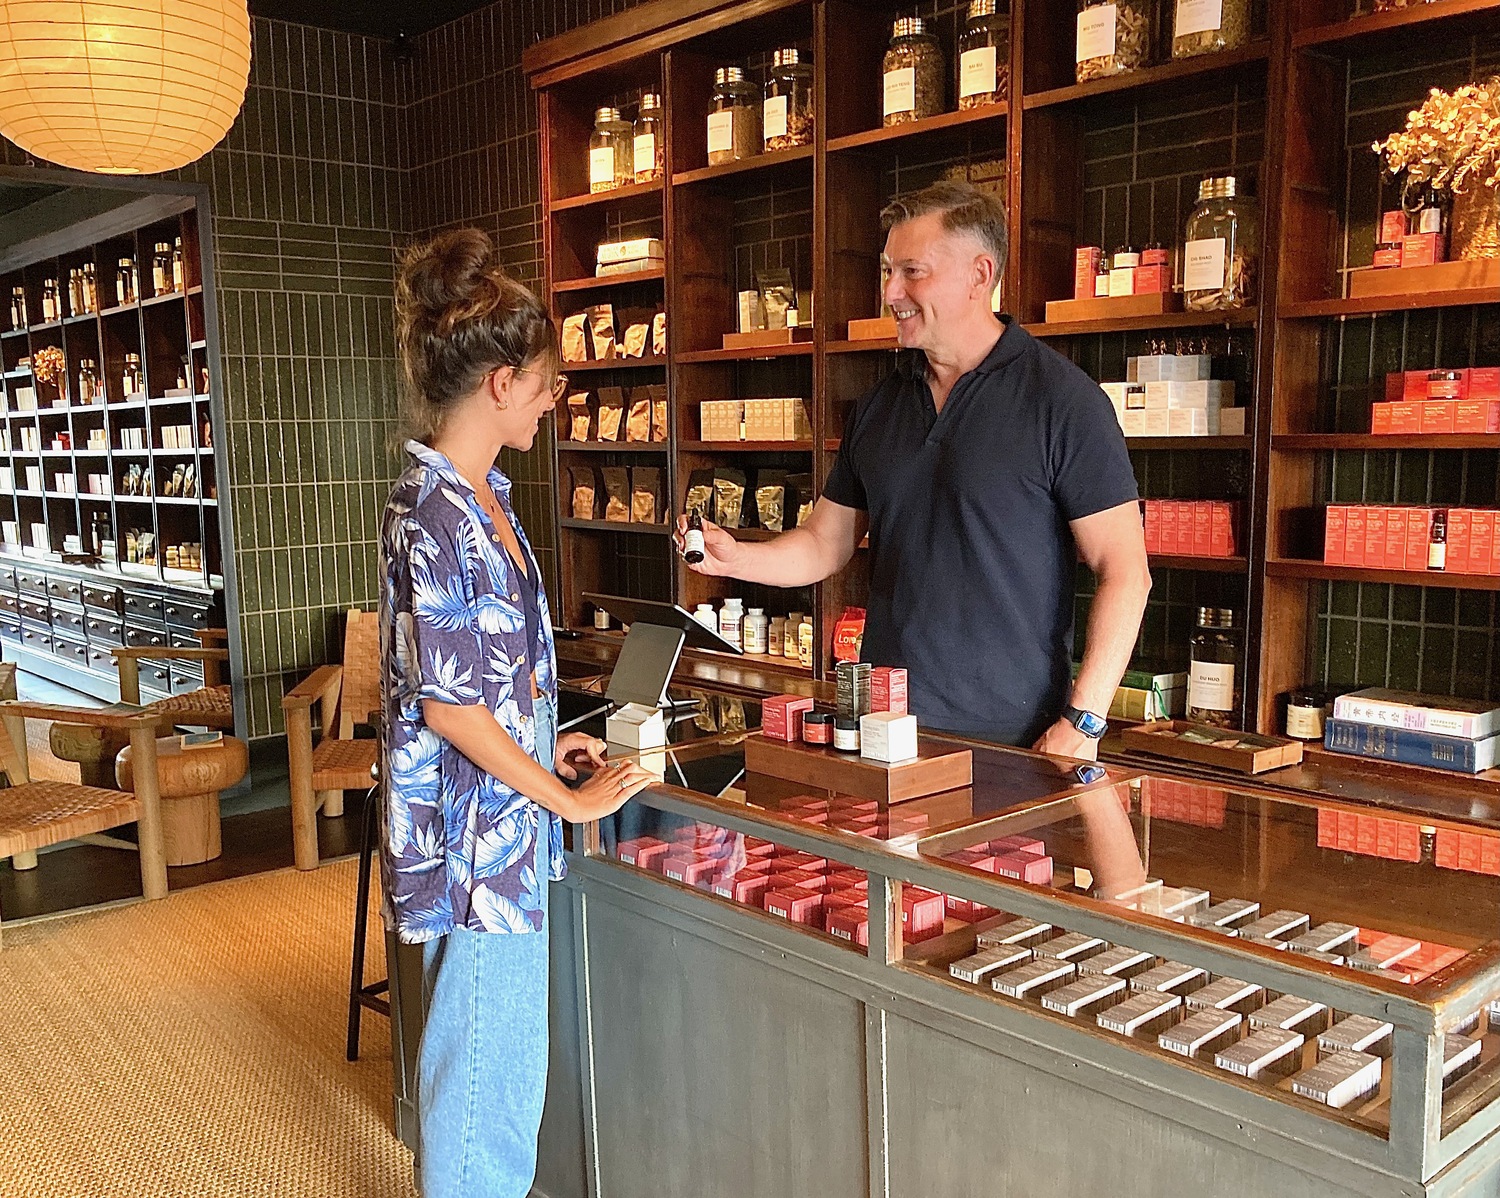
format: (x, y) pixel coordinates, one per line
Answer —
(981, 8)
(817, 717)
(600, 115)
(1215, 617)
(1445, 376)
(650, 100)
(163, 246)
(1223, 187)
(845, 723)
(132, 357)
(123, 262)
(757, 611)
(908, 27)
(789, 57)
(1126, 249)
(729, 75)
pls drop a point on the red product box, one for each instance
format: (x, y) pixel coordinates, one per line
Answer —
(677, 865)
(781, 716)
(629, 851)
(1366, 835)
(801, 879)
(1406, 417)
(1395, 386)
(1439, 416)
(1374, 537)
(1395, 538)
(1447, 849)
(751, 889)
(958, 908)
(1385, 839)
(1150, 280)
(803, 861)
(974, 859)
(1153, 527)
(1476, 416)
(1457, 560)
(849, 804)
(888, 689)
(921, 912)
(1328, 829)
(1025, 867)
(805, 803)
(1348, 831)
(1167, 515)
(702, 874)
(1414, 384)
(852, 924)
(1408, 841)
(1380, 418)
(1187, 516)
(1484, 382)
(1481, 540)
(834, 903)
(1418, 533)
(1203, 528)
(1494, 567)
(1422, 249)
(1387, 258)
(1017, 844)
(1333, 535)
(797, 906)
(1086, 259)
(1392, 226)
(1354, 535)
(848, 879)
(1470, 845)
(1489, 855)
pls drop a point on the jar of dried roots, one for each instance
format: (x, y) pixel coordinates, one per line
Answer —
(1209, 26)
(913, 73)
(1112, 38)
(1221, 251)
(787, 112)
(984, 56)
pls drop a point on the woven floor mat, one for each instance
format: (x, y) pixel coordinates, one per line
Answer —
(194, 1048)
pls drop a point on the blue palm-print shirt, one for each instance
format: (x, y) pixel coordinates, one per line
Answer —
(460, 846)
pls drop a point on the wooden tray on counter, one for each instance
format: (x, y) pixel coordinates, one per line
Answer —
(1153, 738)
(936, 767)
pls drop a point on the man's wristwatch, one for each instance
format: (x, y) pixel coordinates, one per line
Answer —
(1091, 725)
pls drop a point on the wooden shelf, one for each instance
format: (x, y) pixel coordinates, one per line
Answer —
(601, 283)
(1171, 76)
(1235, 318)
(165, 297)
(1375, 32)
(1303, 568)
(1209, 565)
(745, 446)
(769, 161)
(654, 530)
(798, 350)
(1375, 305)
(631, 191)
(929, 128)
(571, 368)
(612, 447)
(1225, 443)
(1332, 441)
(872, 345)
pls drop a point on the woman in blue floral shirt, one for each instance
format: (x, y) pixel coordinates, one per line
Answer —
(469, 692)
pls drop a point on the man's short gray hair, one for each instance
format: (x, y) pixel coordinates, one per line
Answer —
(964, 208)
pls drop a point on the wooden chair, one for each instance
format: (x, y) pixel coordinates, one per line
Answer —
(34, 815)
(210, 706)
(346, 695)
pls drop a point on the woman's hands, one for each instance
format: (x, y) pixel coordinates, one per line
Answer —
(580, 747)
(609, 788)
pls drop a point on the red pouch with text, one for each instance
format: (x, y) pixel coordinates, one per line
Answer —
(848, 633)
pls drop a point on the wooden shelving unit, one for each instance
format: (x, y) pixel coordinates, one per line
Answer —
(1065, 156)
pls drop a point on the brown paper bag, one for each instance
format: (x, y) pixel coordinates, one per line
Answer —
(585, 493)
(658, 411)
(616, 494)
(611, 413)
(638, 418)
(575, 338)
(602, 331)
(580, 416)
(645, 495)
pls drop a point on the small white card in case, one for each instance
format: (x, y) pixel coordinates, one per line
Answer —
(900, 91)
(1096, 32)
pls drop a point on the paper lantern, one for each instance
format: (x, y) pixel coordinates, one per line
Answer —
(122, 87)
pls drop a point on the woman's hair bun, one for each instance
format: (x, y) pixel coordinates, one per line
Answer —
(452, 278)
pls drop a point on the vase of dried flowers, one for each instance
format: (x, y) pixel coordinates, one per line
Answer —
(50, 367)
(1452, 143)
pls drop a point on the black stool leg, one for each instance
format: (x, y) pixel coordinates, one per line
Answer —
(361, 921)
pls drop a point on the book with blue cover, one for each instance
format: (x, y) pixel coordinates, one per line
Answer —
(1411, 747)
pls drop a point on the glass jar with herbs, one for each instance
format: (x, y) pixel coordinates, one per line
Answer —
(1209, 26)
(88, 381)
(611, 151)
(127, 283)
(1221, 251)
(130, 377)
(984, 56)
(1113, 38)
(649, 145)
(787, 112)
(734, 122)
(1215, 668)
(912, 74)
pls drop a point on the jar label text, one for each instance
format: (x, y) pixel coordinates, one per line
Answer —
(645, 152)
(1203, 265)
(1199, 16)
(602, 166)
(1096, 32)
(976, 74)
(900, 90)
(1211, 686)
(721, 132)
(773, 117)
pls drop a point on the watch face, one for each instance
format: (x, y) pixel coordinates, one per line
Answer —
(1089, 724)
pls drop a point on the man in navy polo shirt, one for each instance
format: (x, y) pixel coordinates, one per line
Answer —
(983, 469)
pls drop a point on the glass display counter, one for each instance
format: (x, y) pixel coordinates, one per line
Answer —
(1329, 971)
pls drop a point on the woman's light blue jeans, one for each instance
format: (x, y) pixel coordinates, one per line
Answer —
(482, 1067)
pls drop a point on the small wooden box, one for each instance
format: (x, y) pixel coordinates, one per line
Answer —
(877, 328)
(766, 338)
(1156, 303)
(1161, 739)
(1419, 280)
(937, 767)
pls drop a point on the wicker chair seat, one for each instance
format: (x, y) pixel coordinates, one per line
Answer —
(343, 764)
(206, 707)
(38, 814)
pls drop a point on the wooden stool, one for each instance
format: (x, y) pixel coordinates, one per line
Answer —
(190, 781)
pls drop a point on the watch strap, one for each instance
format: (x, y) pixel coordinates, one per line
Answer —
(1087, 722)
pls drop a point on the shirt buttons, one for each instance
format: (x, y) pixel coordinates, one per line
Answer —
(496, 538)
(515, 598)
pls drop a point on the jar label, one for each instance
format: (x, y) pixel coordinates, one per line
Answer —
(721, 132)
(601, 166)
(1096, 32)
(1210, 686)
(976, 72)
(1304, 723)
(1199, 16)
(1430, 220)
(900, 90)
(645, 152)
(1203, 265)
(773, 117)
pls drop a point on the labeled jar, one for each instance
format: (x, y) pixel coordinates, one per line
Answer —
(90, 282)
(75, 293)
(1125, 256)
(776, 636)
(1208, 26)
(984, 56)
(611, 151)
(18, 314)
(757, 630)
(1215, 668)
(601, 619)
(1426, 209)
(734, 122)
(161, 268)
(805, 644)
(130, 377)
(846, 733)
(179, 268)
(793, 628)
(649, 145)
(731, 621)
(127, 282)
(912, 82)
(88, 380)
(817, 728)
(787, 111)
(51, 303)
(1221, 251)
(1112, 38)
(1304, 715)
(705, 615)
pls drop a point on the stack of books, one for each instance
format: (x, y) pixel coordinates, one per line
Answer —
(1148, 694)
(1444, 733)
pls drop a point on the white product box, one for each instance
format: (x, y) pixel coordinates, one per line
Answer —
(1178, 422)
(1134, 423)
(10, 532)
(624, 251)
(1158, 368)
(1201, 394)
(752, 313)
(887, 736)
(1122, 281)
(636, 726)
(33, 478)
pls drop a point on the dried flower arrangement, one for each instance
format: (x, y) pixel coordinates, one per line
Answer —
(48, 364)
